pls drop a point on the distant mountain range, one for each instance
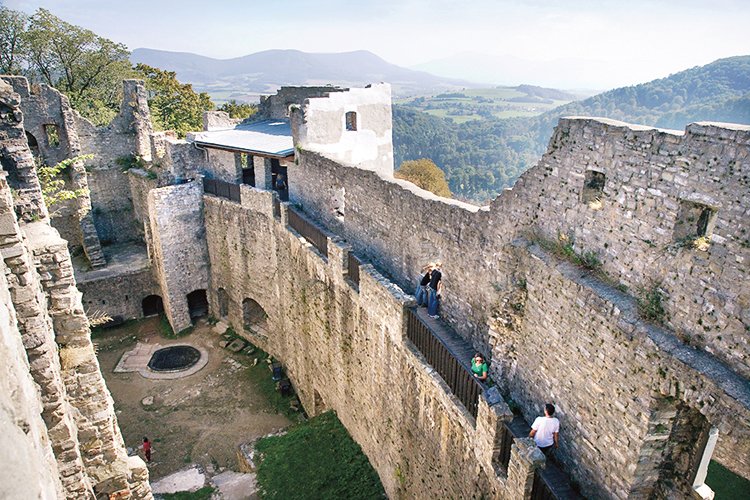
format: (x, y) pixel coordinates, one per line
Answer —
(264, 72)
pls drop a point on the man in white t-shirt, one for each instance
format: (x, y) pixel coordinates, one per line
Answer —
(545, 429)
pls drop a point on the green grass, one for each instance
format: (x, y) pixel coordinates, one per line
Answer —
(260, 376)
(726, 484)
(201, 494)
(315, 459)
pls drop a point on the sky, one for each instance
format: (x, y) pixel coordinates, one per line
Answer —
(621, 42)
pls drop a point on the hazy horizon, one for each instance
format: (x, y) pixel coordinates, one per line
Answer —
(582, 44)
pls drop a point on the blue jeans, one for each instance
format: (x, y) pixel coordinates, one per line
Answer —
(433, 301)
(421, 296)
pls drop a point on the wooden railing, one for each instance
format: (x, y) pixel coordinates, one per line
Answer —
(506, 443)
(222, 188)
(458, 378)
(308, 230)
(352, 268)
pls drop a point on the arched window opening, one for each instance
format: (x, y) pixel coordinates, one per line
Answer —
(152, 305)
(253, 315)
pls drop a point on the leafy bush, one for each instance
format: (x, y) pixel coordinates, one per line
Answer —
(651, 304)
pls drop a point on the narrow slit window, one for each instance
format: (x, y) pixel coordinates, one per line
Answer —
(593, 187)
(351, 121)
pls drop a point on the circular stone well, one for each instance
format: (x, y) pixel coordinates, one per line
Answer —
(174, 359)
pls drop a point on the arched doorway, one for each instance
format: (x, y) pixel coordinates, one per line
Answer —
(223, 299)
(197, 304)
(33, 144)
(152, 305)
(253, 315)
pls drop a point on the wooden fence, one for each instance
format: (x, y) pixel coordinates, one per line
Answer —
(461, 381)
(308, 230)
(222, 189)
(352, 268)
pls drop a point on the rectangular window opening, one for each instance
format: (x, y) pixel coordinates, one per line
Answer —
(351, 121)
(694, 220)
(53, 134)
(593, 188)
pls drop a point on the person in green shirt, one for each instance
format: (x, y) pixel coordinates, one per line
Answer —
(479, 367)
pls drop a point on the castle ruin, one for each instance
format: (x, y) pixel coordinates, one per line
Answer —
(550, 282)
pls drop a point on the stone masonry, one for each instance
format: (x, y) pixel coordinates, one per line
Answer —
(75, 405)
(653, 214)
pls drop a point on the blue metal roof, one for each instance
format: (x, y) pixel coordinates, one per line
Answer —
(266, 137)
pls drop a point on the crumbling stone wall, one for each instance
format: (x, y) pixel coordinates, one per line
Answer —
(104, 211)
(634, 228)
(30, 469)
(580, 344)
(175, 159)
(17, 160)
(76, 407)
(277, 105)
(399, 229)
(179, 251)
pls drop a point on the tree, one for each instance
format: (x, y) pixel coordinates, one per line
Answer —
(425, 174)
(88, 68)
(12, 27)
(174, 105)
(53, 184)
(238, 109)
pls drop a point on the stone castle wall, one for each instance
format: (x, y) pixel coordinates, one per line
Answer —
(399, 228)
(650, 176)
(178, 247)
(342, 347)
(76, 407)
(30, 471)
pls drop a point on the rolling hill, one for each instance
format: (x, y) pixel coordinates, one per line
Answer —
(481, 157)
(264, 72)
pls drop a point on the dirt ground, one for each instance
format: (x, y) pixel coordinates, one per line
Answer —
(201, 418)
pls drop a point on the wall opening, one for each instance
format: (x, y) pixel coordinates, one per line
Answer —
(672, 452)
(351, 121)
(253, 315)
(694, 220)
(152, 305)
(197, 304)
(248, 169)
(279, 180)
(223, 298)
(52, 132)
(593, 187)
(33, 145)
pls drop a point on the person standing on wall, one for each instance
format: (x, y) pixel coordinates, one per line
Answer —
(479, 367)
(544, 430)
(421, 292)
(435, 290)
